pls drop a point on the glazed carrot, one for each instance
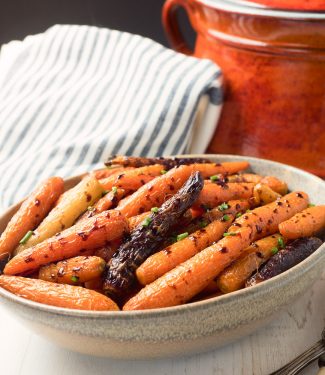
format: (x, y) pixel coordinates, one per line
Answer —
(60, 295)
(89, 234)
(186, 280)
(134, 221)
(275, 184)
(213, 194)
(245, 177)
(73, 271)
(163, 261)
(132, 179)
(304, 224)
(31, 213)
(263, 194)
(108, 172)
(108, 250)
(235, 276)
(226, 168)
(189, 278)
(69, 207)
(95, 284)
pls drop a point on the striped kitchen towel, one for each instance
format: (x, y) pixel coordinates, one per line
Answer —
(75, 94)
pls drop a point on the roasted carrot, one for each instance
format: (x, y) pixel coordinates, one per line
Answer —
(108, 172)
(89, 234)
(69, 207)
(60, 295)
(108, 250)
(131, 180)
(189, 278)
(245, 177)
(275, 184)
(30, 214)
(163, 261)
(304, 224)
(227, 168)
(235, 276)
(73, 271)
(263, 194)
(95, 284)
(214, 194)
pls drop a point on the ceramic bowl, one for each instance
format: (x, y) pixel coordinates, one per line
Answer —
(181, 330)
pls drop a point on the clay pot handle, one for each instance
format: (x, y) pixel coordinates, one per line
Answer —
(170, 22)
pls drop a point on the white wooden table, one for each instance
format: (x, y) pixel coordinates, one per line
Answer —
(22, 352)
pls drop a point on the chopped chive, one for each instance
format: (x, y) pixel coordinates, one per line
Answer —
(163, 171)
(155, 209)
(114, 190)
(215, 178)
(223, 206)
(181, 237)
(227, 234)
(203, 223)
(225, 217)
(27, 236)
(274, 250)
(146, 221)
(74, 279)
(281, 243)
(311, 205)
(247, 211)
(238, 215)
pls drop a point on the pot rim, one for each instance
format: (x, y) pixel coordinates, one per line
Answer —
(249, 8)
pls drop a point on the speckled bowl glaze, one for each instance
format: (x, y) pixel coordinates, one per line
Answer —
(182, 330)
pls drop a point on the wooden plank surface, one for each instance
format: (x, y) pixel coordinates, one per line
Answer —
(298, 327)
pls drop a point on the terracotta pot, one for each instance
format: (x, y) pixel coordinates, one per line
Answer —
(274, 67)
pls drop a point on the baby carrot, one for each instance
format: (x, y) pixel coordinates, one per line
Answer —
(30, 214)
(60, 295)
(108, 172)
(245, 177)
(189, 278)
(263, 194)
(73, 271)
(235, 276)
(163, 261)
(275, 184)
(214, 194)
(304, 224)
(89, 234)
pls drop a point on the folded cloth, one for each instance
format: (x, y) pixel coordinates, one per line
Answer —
(75, 94)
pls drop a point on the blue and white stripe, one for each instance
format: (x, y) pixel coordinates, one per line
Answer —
(76, 94)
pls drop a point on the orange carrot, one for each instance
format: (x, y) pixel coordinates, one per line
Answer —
(89, 234)
(134, 221)
(213, 194)
(263, 194)
(304, 224)
(245, 177)
(275, 184)
(132, 179)
(235, 276)
(108, 250)
(60, 295)
(108, 172)
(163, 261)
(226, 168)
(31, 213)
(189, 278)
(73, 271)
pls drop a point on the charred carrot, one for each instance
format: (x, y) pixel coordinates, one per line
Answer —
(214, 194)
(304, 224)
(60, 295)
(235, 276)
(73, 271)
(189, 278)
(89, 234)
(30, 214)
(163, 261)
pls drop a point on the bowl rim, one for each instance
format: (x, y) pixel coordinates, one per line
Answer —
(284, 278)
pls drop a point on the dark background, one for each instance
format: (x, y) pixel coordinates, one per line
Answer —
(19, 18)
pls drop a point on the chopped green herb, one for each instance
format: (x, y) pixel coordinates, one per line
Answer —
(74, 279)
(155, 209)
(281, 243)
(247, 211)
(181, 237)
(225, 217)
(203, 223)
(227, 234)
(114, 190)
(223, 206)
(91, 208)
(104, 193)
(163, 171)
(146, 221)
(215, 178)
(238, 215)
(27, 236)
(311, 205)
(274, 250)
